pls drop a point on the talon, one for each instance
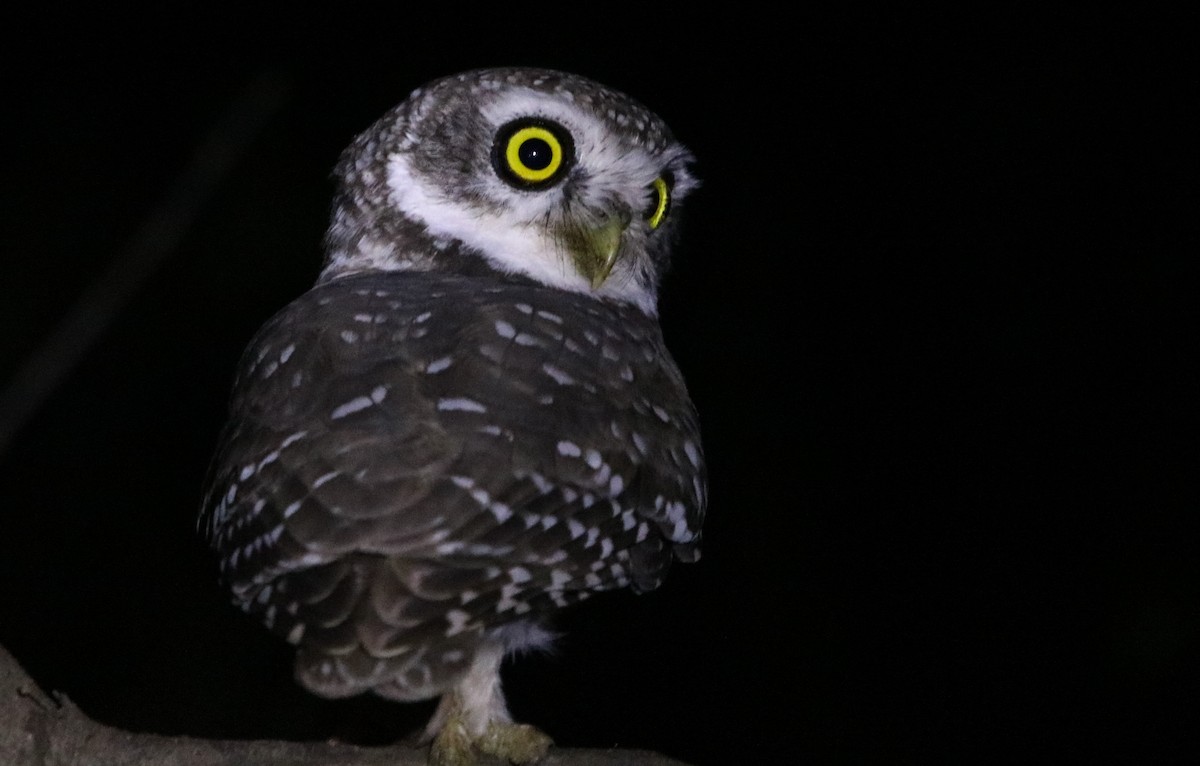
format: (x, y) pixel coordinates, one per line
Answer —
(452, 745)
(517, 742)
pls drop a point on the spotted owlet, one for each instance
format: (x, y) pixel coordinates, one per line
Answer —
(470, 420)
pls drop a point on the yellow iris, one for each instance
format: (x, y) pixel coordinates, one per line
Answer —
(533, 154)
(662, 201)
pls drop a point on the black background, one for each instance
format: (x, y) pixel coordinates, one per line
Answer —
(928, 302)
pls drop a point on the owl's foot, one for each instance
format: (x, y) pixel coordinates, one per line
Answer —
(512, 742)
(472, 718)
(517, 742)
(452, 745)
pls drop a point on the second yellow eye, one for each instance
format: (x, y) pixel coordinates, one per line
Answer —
(532, 153)
(660, 201)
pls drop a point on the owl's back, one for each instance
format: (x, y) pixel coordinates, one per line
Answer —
(415, 461)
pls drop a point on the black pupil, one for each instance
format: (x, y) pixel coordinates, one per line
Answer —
(535, 153)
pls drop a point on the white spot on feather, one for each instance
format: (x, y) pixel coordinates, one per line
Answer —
(460, 404)
(350, 407)
(501, 511)
(540, 482)
(324, 478)
(458, 621)
(520, 574)
(639, 442)
(525, 339)
(560, 377)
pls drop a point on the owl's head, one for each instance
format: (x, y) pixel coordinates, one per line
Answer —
(529, 173)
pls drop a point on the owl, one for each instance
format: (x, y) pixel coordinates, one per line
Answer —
(471, 420)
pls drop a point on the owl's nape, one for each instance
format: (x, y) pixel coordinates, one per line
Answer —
(471, 421)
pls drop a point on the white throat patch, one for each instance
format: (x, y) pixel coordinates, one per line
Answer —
(512, 241)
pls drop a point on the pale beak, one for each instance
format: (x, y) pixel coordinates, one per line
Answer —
(595, 246)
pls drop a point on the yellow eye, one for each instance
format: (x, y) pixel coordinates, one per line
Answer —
(660, 201)
(532, 153)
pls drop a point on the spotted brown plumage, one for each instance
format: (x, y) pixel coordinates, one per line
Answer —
(452, 435)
